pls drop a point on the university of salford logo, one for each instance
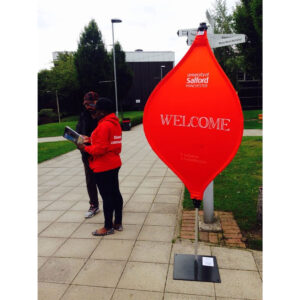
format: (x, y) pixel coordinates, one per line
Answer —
(199, 80)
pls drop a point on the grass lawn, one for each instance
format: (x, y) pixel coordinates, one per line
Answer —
(52, 149)
(236, 188)
(251, 120)
(57, 129)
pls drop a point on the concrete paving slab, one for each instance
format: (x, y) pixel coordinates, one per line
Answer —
(122, 294)
(156, 233)
(77, 292)
(84, 231)
(82, 206)
(60, 230)
(103, 273)
(188, 287)
(113, 249)
(60, 270)
(43, 204)
(169, 191)
(77, 248)
(167, 198)
(60, 205)
(258, 259)
(130, 232)
(149, 251)
(42, 226)
(51, 291)
(234, 258)
(161, 219)
(134, 218)
(132, 207)
(71, 216)
(172, 296)
(49, 215)
(142, 198)
(47, 246)
(146, 191)
(164, 208)
(144, 276)
(239, 284)
(41, 260)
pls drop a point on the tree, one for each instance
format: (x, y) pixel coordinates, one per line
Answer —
(124, 73)
(226, 56)
(64, 80)
(247, 19)
(61, 78)
(92, 62)
(45, 100)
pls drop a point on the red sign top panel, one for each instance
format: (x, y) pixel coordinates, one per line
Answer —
(193, 119)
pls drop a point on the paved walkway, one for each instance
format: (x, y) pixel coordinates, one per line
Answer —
(138, 262)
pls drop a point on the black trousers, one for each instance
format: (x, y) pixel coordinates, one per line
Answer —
(108, 185)
(90, 182)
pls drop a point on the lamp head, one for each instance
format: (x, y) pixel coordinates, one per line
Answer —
(116, 20)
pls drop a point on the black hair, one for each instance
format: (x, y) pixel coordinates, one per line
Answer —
(105, 104)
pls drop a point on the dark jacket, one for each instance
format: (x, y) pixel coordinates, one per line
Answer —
(85, 126)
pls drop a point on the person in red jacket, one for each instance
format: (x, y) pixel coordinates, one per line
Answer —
(105, 161)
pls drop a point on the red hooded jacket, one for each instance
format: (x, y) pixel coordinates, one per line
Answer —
(106, 144)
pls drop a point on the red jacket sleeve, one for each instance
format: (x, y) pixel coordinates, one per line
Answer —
(100, 141)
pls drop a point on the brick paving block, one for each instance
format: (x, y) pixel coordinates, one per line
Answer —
(232, 235)
(188, 232)
(232, 231)
(187, 236)
(204, 236)
(233, 241)
(213, 237)
(187, 228)
(225, 227)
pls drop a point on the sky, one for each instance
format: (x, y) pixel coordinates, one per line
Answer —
(150, 25)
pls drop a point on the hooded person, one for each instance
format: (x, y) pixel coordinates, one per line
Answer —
(104, 150)
(86, 126)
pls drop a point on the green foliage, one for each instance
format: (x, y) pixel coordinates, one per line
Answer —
(92, 62)
(247, 19)
(52, 149)
(226, 56)
(47, 115)
(61, 79)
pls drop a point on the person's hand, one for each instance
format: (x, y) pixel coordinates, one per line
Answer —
(86, 139)
(80, 146)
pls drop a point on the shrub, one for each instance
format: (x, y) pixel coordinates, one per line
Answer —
(47, 115)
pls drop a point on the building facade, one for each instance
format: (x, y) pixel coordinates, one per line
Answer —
(148, 68)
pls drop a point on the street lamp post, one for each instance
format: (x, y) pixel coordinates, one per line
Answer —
(161, 71)
(115, 75)
(57, 104)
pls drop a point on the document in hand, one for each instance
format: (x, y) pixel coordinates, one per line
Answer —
(72, 135)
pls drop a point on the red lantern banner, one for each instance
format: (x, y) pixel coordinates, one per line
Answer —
(193, 119)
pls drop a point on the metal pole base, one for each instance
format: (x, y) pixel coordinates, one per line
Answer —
(205, 268)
